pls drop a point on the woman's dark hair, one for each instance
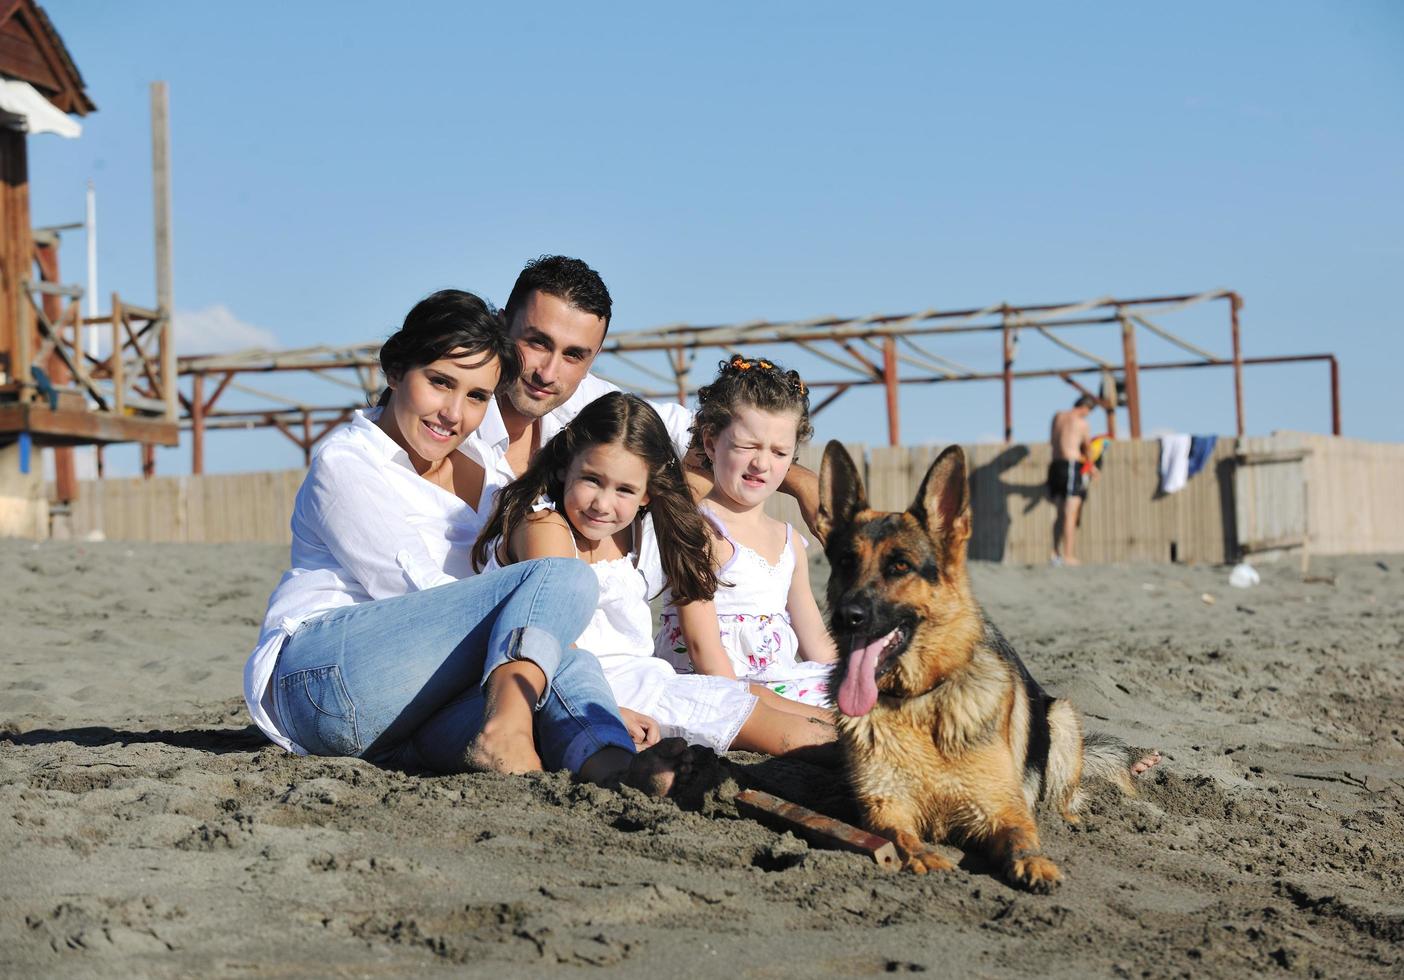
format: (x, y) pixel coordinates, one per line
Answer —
(444, 322)
(752, 381)
(631, 422)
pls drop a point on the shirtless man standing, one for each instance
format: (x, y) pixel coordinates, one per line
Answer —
(1067, 485)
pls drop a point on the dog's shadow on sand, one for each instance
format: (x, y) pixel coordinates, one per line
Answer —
(217, 741)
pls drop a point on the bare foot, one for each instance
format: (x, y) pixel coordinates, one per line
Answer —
(1145, 762)
(656, 770)
(509, 751)
(1071, 561)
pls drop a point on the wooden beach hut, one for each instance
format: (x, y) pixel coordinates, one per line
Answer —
(53, 392)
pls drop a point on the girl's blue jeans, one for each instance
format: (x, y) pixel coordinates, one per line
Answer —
(399, 682)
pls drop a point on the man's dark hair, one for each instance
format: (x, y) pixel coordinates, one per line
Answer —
(567, 279)
(1085, 401)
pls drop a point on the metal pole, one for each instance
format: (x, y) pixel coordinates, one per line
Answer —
(1335, 397)
(161, 195)
(889, 377)
(197, 425)
(1234, 303)
(1133, 382)
(1008, 381)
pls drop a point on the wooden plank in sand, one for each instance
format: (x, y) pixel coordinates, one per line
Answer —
(816, 828)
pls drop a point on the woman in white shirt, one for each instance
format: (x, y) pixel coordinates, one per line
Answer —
(380, 643)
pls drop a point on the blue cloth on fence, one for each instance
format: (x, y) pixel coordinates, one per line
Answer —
(1200, 449)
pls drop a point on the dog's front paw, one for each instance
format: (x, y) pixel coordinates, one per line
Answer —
(921, 858)
(1036, 873)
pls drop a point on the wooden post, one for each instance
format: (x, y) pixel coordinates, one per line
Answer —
(889, 379)
(197, 425)
(148, 460)
(1133, 383)
(161, 195)
(1234, 304)
(678, 359)
(23, 352)
(119, 371)
(306, 438)
(1109, 400)
(46, 256)
(16, 246)
(1008, 381)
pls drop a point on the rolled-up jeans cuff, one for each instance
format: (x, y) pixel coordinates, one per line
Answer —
(527, 643)
(590, 741)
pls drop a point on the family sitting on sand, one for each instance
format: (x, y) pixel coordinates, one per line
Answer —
(473, 559)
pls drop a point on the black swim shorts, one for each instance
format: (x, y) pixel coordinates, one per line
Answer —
(1066, 479)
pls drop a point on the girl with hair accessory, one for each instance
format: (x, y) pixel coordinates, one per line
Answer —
(609, 489)
(750, 423)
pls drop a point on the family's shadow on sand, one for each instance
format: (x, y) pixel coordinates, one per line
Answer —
(218, 741)
(990, 533)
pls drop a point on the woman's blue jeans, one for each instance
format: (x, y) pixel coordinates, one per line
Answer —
(399, 682)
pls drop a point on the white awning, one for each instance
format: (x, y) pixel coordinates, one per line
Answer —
(22, 107)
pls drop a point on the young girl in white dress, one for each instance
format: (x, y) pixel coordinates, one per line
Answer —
(750, 422)
(585, 495)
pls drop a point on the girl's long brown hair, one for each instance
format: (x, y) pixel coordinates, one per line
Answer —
(628, 421)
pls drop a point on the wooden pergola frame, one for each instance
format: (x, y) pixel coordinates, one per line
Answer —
(884, 350)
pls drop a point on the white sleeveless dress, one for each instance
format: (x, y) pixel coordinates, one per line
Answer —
(755, 626)
(703, 710)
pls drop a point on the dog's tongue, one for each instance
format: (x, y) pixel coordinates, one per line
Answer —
(858, 692)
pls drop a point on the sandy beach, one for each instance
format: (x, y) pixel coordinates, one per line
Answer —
(148, 830)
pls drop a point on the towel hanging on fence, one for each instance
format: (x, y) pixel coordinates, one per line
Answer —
(1174, 461)
(1200, 449)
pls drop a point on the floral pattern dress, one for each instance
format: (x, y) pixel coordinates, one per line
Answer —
(755, 627)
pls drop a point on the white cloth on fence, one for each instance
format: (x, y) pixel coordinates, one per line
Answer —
(1174, 461)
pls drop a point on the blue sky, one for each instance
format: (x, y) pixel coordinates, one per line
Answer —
(333, 162)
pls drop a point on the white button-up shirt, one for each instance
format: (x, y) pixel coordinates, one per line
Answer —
(365, 526)
(490, 441)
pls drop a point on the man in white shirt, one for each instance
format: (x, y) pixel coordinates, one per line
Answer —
(558, 314)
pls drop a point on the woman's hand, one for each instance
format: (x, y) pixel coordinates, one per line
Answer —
(642, 729)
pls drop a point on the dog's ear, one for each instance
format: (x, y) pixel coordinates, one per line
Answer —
(942, 505)
(840, 489)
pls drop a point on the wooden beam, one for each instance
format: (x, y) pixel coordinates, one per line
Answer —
(1009, 381)
(197, 427)
(161, 193)
(816, 828)
(117, 369)
(1234, 304)
(890, 381)
(69, 427)
(1133, 381)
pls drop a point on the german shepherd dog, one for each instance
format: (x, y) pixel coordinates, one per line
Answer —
(945, 734)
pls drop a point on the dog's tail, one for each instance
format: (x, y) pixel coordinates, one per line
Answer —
(1074, 755)
(1107, 757)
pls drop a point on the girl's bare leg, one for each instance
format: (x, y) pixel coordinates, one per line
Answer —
(505, 743)
(776, 732)
(784, 704)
